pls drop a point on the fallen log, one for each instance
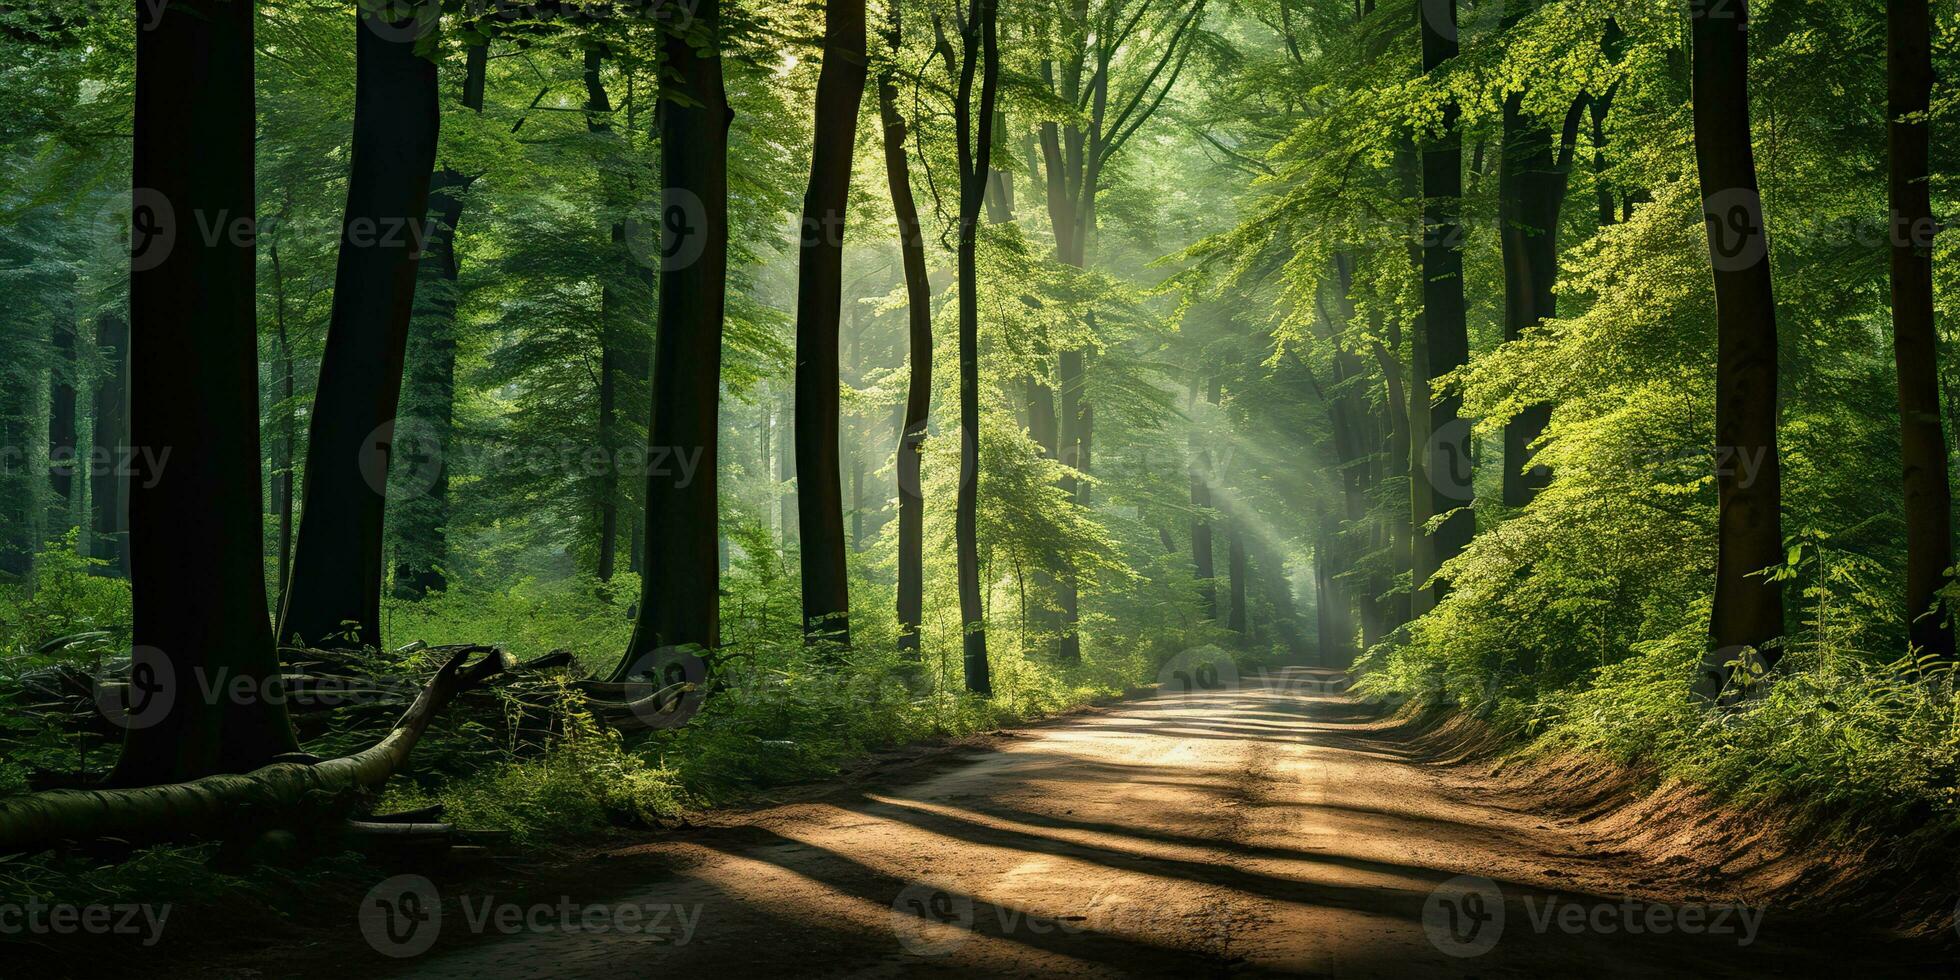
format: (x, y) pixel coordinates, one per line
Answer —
(220, 806)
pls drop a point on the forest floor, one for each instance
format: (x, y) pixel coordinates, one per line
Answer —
(1278, 828)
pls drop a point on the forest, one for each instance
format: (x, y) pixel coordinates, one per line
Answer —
(971, 487)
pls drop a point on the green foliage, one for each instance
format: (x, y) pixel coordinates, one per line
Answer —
(68, 595)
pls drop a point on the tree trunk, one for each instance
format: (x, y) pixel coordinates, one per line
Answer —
(1748, 610)
(62, 434)
(680, 589)
(199, 614)
(819, 306)
(283, 463)
(1422, 497)
(1531, 192)
(787, 502)
(337, 566)
(975, 128)
(422, 522)
(108, 481)
(918, 393)
(623, 351)
(20, 485)
(598, 119)
(1396, 610)
(1237, 620)
(1449, 468)
(1201, 558)
(1915, 344)
(1613, 42)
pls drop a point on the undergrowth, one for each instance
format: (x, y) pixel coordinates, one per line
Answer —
(778, 712)
(1846, 738)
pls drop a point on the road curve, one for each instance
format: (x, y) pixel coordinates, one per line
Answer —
(1274, 828)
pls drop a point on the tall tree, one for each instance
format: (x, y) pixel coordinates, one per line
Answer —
(108, 480)
(1201, 557)
(337, 561)
(1422, 496)
(974, 125)
(62, 433)
(198, 580)
(1236, 619)
(918, 311)
(1445, 320)
(1915, 344)
(1747, 618)
(287, 438)
(680, 595)
(819, 308)
(1112, 63)
(1533, 172)
(422, 522)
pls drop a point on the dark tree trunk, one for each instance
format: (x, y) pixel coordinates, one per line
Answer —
(606, 492)
(283, 446)
(1531, 189)
(1073, 424)
(1201, 558)
(337, 567)
(422, 522)
(198, 581)
(108, 480)
(1915, 343)
(1613, 43)
(975, 128)
(1397, 609)
(680, 591)
(62, 435)
(819, 306)
(857, 500)
(918, 393)
(1449, 468)
(20, 483)
(1422, 497)
(1236, 622)
(766, 457)
(1748, 610)
(787, 502)
(1332, 603)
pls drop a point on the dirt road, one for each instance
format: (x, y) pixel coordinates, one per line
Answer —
(1276, 828)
